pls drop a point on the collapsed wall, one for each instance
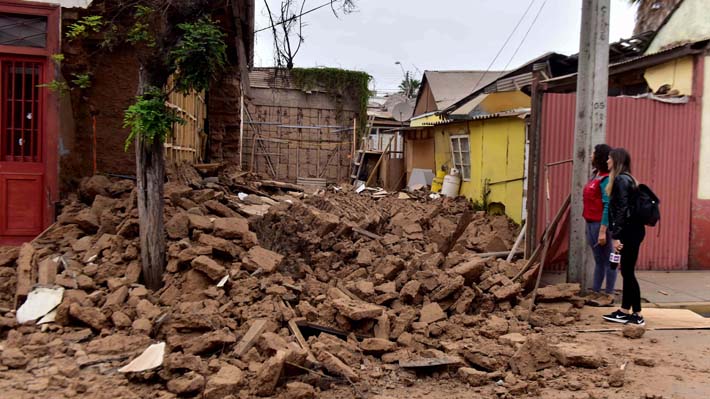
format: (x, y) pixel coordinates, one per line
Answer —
(263, 287)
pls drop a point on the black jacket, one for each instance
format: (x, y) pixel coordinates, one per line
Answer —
(622, 226)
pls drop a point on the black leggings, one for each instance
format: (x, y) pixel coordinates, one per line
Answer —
(631, 296)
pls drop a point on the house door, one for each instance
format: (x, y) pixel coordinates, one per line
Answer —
(22, 167)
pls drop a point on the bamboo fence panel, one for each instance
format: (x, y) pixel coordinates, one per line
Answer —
(187, 143)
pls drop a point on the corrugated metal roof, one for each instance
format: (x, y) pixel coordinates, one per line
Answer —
(681, 49)
(512, 83)
(450, 86)
(504, 114)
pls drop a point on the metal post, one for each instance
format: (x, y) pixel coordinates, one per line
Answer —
(534, 136)
(241, 125)
(590, 126)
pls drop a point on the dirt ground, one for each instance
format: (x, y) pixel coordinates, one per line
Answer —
(681, 370)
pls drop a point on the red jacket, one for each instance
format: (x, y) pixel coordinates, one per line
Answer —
(593, 199)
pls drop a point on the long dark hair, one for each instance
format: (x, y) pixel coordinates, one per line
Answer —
(622, 164)
(601, 154)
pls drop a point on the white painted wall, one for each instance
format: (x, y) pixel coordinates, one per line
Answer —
(690, 22)
(704, 162)
(66, 3)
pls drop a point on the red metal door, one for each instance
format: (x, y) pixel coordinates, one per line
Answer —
(22, 167)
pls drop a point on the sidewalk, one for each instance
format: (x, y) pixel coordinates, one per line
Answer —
(678, 289)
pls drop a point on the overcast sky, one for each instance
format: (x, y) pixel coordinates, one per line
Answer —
(435, 35)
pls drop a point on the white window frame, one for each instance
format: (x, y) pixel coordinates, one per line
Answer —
(460, 159)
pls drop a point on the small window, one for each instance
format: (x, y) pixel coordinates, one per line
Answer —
(461, 156)
(23, 30)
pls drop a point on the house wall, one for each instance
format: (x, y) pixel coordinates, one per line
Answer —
(224, 118)
(426, 102)
(700, 227)
(419, 154)
(677, 73)
(688, 23)
(661, 139)
(391, 172)
(704, 159)
(497, 150)
(113, 88)
(505, 101)
(114, 84)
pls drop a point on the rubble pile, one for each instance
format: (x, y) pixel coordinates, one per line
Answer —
(282, 293)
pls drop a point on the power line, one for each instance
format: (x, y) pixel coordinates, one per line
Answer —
(525, 36)
(504, 44)
(295, 17)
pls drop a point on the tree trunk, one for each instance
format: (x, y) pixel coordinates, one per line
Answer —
(150, 173)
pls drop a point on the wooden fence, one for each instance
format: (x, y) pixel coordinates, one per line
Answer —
(292, 143)
(188, 141)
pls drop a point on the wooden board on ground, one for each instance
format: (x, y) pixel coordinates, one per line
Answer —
(430, 362)
(367, 233)
(656, 319)
(310, 329)
(249, 339)
(296, 331)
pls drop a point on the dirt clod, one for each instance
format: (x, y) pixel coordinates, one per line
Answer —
(633, 331)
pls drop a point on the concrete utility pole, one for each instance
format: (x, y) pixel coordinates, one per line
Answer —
(590, 127)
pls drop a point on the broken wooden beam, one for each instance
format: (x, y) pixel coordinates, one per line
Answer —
(249, 339)
(207, 167)
(296, 331)
(305, 325)
(280, 185)
(25, 273)
(367, 233)
(545, 237)
(430, 362)
(497, 254)
(340, 286)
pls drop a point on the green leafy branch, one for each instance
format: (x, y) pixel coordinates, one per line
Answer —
(84, 26)
(140, 31)
(57, 58)
(200, 56)
(150, 118)
(56, 86)
(82, 80)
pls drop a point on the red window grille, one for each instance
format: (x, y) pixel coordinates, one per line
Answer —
(20, 121)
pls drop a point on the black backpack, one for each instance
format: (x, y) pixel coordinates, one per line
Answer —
(646, 207)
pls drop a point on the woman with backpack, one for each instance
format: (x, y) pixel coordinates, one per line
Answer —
(627, 233)
(596, 214)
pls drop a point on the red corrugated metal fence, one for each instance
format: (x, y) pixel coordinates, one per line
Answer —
(660, 138)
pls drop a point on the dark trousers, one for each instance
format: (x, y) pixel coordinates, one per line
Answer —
(631, 296)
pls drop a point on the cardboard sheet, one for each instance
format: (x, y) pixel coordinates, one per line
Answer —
(656, 319)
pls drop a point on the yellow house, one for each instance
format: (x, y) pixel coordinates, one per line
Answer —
(483, 133)
(489, 152)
